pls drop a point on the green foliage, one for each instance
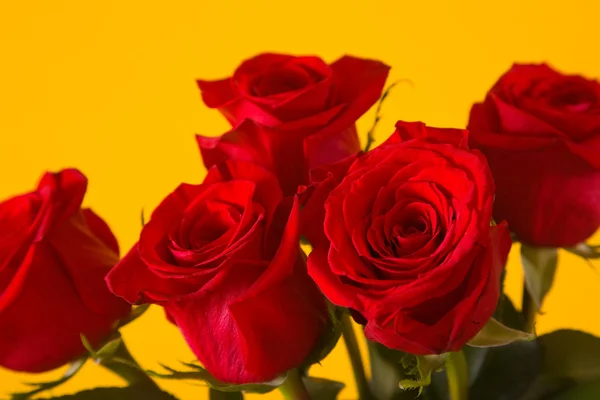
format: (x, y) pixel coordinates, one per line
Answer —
(539, 265)
(198, 373)
(135, 392)
(495, 334)
(322, 389)
(42, 386)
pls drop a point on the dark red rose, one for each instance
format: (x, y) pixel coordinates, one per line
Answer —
(311, 107)
(540, 131)
(223, 259)
(53, 260)
(406, 242)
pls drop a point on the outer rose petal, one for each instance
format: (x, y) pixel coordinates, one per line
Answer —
(63, 192)
(325, 179)
(48, 336)
(235, 343)
(320, 272)
(325, 149)
(293, 316)
(555, 201)
(132, 280)
(101, 230)
(87, 260)
(418, 130)
(248, 142)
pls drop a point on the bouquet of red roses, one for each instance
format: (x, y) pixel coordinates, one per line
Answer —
(297, 230)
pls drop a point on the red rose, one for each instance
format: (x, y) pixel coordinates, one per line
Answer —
(53, 260)
(227, 268)
(540, 131)
(407, 243)
(312, 106)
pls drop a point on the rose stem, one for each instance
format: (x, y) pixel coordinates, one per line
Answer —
(364, 393)
(129, 369)
(528, 309)
(458, 376)
(293, 388)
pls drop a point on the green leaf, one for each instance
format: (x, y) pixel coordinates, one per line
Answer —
(508, 372)
(135, 392)
(496, 334)
(42, 386)
(571, 354)
(322, 389)
(200, 374)
(539, 265)
(585, 391)
(214, 394)
(543, 388)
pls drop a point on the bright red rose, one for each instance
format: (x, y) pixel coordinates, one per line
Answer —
(312, 107)
(53, 260)
(406, 242)
(540, 131)
(223, 259)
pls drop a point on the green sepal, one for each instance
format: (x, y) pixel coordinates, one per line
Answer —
(39, 387)
(198, 373)
(107, 351)
(585, 250)
(418, 370)
(495, 334)
(328, 340)
(539, 266)
(322, 389)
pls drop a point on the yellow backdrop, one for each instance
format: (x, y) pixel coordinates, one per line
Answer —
(108, 86)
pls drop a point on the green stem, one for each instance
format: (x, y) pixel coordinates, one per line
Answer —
(458, 376)
(293, 388)
(528, 309)
(124, 365)
(362, 385)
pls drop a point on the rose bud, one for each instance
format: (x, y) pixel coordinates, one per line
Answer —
(403, 239)
(54, 257)
(223, 259)
(540, 132)
(311, 107)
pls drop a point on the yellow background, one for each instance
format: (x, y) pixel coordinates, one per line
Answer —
(108, 86)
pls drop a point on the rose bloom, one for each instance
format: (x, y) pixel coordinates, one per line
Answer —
(303, 112)
(402, 238)
(540, 131)
(53, 260)
(223, 259)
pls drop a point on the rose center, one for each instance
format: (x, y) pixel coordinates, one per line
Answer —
(281, 80)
